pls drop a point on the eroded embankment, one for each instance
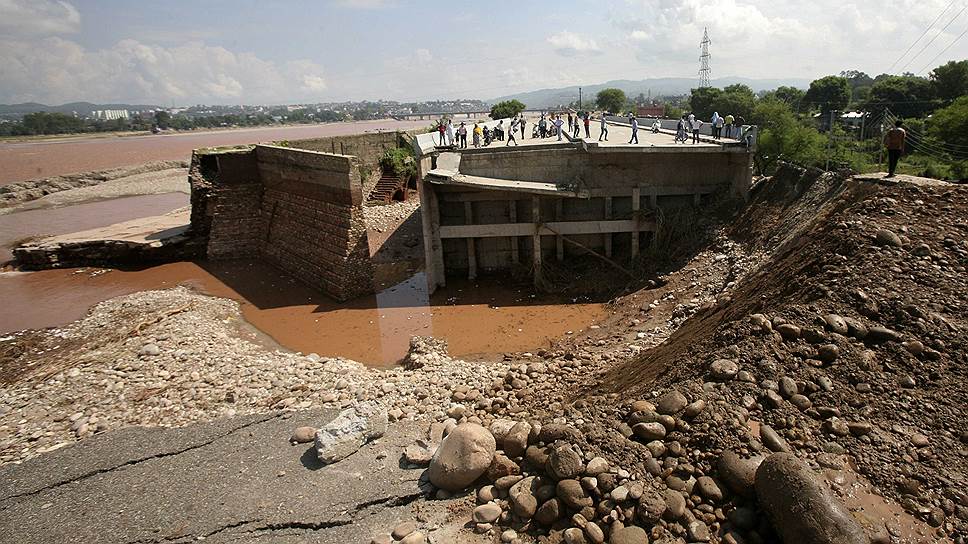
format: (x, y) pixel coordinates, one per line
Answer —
(850, 340)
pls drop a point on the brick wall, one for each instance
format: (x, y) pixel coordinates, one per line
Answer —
(298, 209)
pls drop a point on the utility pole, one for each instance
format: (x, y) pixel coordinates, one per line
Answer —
(579, 98)
(704, 60)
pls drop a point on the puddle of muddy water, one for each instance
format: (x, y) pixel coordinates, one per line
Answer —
(475, 318)
(15, 227)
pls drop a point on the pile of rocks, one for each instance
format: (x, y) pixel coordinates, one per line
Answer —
(545, 480)
(173, 357)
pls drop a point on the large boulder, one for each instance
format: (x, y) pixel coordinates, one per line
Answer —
(347, 433)
(801, 508)
(462, 457)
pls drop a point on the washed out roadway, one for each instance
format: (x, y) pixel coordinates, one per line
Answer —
(230, 480)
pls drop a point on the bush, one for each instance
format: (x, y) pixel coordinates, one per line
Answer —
(399, 161)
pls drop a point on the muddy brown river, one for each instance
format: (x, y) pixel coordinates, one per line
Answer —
(31, 160)
(478, 319)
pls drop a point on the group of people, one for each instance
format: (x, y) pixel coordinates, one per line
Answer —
(687, 128)
(481, 134)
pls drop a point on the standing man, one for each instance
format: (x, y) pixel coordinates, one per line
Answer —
(588, 121)
(894, 140)
(604, 132)
(543, 126)
(694, 124)
(571, 123)
(728, 127)
(500, 130)
(635, 129)
(440, 130)
(558, 123)
(462, 135)
(523, 123)
(450, 133)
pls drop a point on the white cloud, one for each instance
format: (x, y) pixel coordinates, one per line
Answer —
(38, 17)
(639, 36)
(571, 44)
(363, 4)
(55, 70)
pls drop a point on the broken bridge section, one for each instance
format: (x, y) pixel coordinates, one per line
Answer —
(299, 209)
(494, 209)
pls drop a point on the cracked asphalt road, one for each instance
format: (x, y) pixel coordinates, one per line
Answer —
(231, 480)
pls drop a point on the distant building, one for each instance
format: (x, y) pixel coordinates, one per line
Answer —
(110, 115)
(650, 111)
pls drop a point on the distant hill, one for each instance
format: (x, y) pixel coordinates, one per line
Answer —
(545, 98)
(82, 108)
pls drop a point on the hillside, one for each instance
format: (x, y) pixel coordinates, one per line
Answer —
(658, 87)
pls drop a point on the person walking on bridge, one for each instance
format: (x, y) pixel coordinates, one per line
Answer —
(511, 130)
(571, 124)
(558, 124)
(894, 140)
(604, 132)
(635, 129)
(523, 123)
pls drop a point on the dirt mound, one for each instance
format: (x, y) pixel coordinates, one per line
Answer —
(863, 308)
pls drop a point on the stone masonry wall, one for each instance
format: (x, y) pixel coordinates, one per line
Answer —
(368, 148)
(313, 219)
(226, 202)
(300, 210)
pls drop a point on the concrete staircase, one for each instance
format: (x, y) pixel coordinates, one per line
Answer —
(385, 188)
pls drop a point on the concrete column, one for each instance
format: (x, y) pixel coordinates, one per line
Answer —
(559, 241)
(636, 204)
(654, 198)
(430, 222)
(513, 214)
(608, 236)
(536, 239)
(471, 254)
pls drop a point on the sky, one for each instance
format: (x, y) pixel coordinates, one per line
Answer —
(176, 52)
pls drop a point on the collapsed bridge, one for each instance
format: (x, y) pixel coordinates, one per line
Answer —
(496, 208)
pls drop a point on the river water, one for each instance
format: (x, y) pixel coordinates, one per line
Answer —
(37, 159)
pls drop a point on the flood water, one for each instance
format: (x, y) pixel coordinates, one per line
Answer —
(31, 160)
(480, 318)
(16, 227)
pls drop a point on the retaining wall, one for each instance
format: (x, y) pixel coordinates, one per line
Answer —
(299, 209)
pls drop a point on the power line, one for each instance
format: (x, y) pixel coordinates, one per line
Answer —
(935, 37)
(908, 50)
(704, 60)
(962, 35)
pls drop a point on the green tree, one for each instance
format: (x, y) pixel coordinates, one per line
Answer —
(508, 108)
(948, 124)
(736, 100)
(783, 137)
(906, 96)
(611, 100)
(703, 101)
(51, 123)
(162, 118)
(790, 95)
(950, 80)
(828, 93)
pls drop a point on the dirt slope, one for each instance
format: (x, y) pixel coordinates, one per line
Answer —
(890, 260)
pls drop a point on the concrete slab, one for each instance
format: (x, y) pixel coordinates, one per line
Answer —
(230, 480)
